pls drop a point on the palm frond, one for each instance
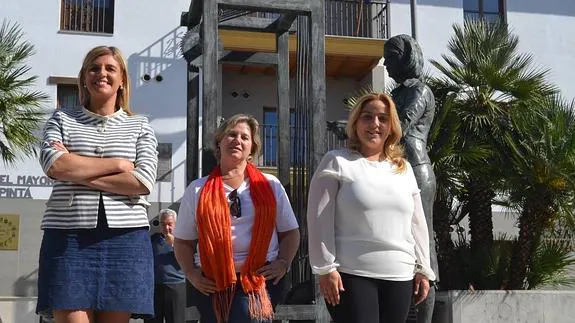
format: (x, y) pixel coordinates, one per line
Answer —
(550, 265)
(356, 95)
(21, 109)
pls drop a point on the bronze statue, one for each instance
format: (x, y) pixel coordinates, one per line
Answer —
(415, 103)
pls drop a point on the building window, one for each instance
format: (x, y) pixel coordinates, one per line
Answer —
(488, 10)
(164, 169)
(67, 96)
(269, 135)
(92, 16)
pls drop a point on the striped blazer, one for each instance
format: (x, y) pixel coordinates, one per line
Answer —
(75, 206)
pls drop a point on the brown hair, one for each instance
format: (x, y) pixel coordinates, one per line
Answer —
(230, 123)
(123, 97)
(391, 149)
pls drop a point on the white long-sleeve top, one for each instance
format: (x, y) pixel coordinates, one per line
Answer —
(366, 219)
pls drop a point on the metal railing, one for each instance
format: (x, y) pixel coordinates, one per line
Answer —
(357, 18)
(93, 16)
(269, 152)
(269, 136)
(354, 18)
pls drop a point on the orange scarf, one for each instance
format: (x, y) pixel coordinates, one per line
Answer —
(215, 244)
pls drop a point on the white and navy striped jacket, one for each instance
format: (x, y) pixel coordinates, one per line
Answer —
(75, 206)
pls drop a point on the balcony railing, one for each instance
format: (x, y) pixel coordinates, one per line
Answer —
(269, 136)
(92, 16)
(357, 18)
(354, 18)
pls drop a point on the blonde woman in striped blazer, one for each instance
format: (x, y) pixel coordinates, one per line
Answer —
(96, 262)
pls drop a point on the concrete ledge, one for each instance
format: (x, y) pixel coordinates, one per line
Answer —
(283, 313)
(22, 310)
(18, 310)
(542, 306)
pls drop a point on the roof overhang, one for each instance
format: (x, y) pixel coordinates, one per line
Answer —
(351, 57)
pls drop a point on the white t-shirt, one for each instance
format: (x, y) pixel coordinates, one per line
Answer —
(366, 219)
(187, 229)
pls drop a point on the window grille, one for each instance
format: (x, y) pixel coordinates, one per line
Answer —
(92, 16)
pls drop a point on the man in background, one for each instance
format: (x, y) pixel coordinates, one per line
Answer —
(170, 282)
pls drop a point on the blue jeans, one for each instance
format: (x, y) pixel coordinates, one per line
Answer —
(239, 311)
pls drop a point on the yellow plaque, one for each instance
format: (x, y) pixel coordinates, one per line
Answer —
(9, 231)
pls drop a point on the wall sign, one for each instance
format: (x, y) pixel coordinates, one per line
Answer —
(18, 186)
(9, 231)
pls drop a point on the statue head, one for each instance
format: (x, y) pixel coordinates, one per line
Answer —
(403, 58)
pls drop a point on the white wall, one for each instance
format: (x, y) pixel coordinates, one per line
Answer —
(544, 30)
(147, 32)
(18, 310)
(435, 19)
(263, 93)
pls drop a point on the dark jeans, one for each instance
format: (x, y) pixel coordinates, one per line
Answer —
(369, 300)
(239, 312)
(169, 303)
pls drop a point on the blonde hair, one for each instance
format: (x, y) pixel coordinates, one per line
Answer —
(233, 121)
(123, 97)
(392, 151)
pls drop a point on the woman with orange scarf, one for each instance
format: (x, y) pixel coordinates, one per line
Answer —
(242, 225)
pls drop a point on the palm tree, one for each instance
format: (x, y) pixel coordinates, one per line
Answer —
(450, 158)
(541, 180)
(20, 107)
(489, 79)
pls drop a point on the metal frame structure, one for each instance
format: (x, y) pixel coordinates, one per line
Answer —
(204, 55)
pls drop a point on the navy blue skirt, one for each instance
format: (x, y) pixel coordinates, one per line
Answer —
(101, 269)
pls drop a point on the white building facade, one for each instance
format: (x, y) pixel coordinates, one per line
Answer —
(148, 33)
(543, 28)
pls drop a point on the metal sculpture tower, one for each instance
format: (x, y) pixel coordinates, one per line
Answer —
(204, 53)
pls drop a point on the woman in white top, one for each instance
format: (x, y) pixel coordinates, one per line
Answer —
(368, 238)
(242, 225)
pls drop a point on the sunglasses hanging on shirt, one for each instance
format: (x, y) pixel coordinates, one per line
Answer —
(235, 204)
